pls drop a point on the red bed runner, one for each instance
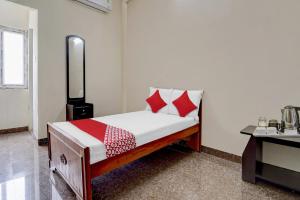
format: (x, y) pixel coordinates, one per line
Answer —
(116, 140)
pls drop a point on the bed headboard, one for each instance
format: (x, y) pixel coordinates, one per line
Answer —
(200, 119)
(200, 112)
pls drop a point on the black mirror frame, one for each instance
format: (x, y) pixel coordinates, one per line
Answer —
(75, 100)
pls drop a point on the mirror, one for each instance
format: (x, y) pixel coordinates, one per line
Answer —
(75, 67)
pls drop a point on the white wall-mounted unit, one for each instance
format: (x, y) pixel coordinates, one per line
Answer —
(104, 5)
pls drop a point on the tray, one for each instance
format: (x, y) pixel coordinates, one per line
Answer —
(271, 132)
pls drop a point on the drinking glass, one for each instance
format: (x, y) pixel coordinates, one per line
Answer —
(262, 122)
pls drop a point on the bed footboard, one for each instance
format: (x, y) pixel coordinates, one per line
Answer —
(70, 159)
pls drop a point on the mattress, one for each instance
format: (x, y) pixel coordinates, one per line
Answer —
(145, 125)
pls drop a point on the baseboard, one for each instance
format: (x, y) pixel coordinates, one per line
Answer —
(43, 141)
(182, 146)
(222, 154)
(14, 130)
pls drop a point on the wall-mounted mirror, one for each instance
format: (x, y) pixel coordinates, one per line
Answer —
(75, 68)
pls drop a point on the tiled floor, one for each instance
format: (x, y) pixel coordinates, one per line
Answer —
(167, 174)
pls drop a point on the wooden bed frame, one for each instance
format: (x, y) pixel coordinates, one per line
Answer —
(71, 159)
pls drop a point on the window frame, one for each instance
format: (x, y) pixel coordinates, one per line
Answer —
(25, 59)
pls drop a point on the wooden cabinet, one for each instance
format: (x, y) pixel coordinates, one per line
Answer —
(79, 111)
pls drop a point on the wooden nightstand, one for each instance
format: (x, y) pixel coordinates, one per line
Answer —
(79, 111)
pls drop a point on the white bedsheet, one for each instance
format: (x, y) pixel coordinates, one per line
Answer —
(145, 125)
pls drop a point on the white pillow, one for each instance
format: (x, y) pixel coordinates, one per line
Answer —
(165, 95)
(194, 95)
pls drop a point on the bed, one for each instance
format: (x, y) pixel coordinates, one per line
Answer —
(79, 158)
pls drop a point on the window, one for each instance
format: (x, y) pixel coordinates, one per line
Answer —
(13, 58)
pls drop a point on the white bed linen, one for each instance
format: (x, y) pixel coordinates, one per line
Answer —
(145, 125)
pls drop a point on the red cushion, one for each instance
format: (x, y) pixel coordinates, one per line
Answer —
(184, 105)
(156, 102)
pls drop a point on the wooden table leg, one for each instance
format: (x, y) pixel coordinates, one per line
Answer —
(251, 154)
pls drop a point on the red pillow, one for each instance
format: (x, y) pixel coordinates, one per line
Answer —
(156, 102)
(184, 105)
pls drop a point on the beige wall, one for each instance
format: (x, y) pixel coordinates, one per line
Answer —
(33, 72)
(14, 103)
(13, 15)
(14, 108)
(243, 53)
(102, 32)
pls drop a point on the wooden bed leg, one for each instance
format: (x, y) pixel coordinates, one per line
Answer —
(195, 142)
(88, 176)
(89, 191)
